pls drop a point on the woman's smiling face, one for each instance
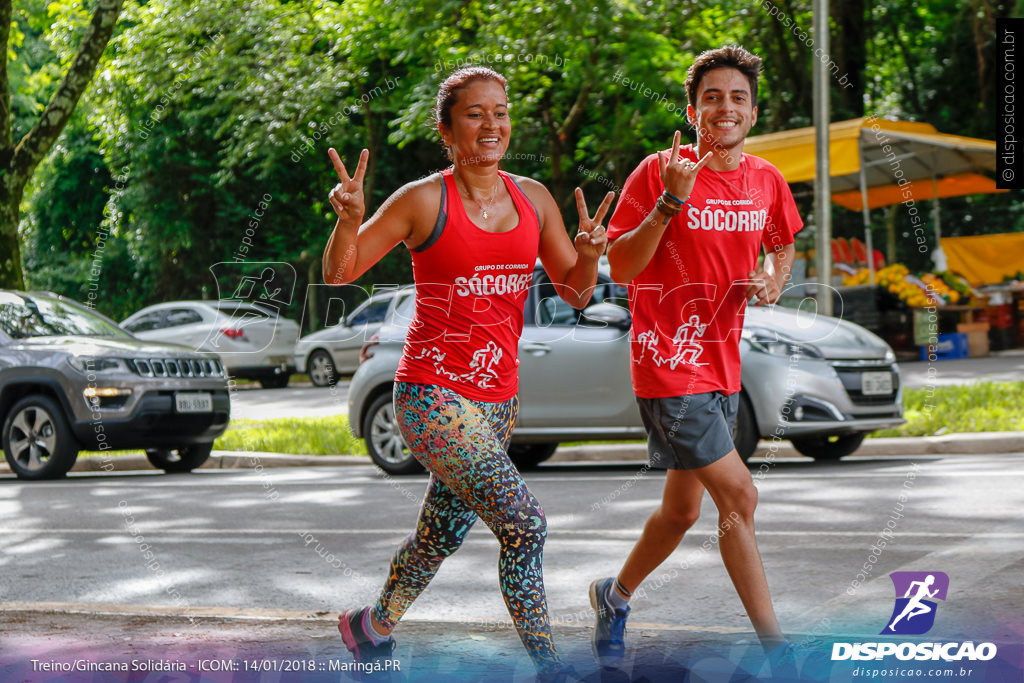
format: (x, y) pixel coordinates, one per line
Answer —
(480, 130)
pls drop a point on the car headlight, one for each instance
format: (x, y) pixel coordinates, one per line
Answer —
(92, 366)
(777, 345)
(890, 357)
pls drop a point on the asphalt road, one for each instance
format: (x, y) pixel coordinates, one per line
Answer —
(253, 403)
(319, 539)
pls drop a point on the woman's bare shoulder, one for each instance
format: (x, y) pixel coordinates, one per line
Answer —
(535, 190)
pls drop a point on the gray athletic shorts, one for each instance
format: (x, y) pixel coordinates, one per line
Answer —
(688, 432)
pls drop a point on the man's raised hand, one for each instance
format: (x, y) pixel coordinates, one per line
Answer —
(764, 286)
(679, 175)
(347, 196)
(591, 239)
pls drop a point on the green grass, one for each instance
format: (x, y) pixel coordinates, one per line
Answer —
(979, 407)
(296, 435)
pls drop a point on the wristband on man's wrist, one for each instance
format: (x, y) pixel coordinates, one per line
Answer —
(667, 208)
(674, 198)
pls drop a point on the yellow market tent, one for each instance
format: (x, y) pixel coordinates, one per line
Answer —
(985, 259)
(876, 162)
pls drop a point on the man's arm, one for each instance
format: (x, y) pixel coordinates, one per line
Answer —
(769, 282)
(630, 253)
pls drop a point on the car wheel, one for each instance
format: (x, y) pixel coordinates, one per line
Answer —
(384, 441)
(744, 434)
(275, 381)
(320, 367)
(829, 447)
(174, 460)
(37, 440)
(526, 456)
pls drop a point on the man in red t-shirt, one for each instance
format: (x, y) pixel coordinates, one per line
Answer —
(687, 232)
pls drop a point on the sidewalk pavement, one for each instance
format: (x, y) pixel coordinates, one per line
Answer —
(196, 645)
(212, 644)
(981, 443)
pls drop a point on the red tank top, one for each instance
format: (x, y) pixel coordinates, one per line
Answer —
(471, 287)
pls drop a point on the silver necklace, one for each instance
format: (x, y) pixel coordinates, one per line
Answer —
(490, 199)
(746, 188)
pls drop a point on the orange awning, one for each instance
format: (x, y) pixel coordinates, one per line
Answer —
(951, 186)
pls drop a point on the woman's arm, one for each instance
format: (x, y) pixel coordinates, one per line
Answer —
(354, 246)
(573, 272)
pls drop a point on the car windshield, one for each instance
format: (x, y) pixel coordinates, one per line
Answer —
(22, 317)
(404, 310)
(236, 309)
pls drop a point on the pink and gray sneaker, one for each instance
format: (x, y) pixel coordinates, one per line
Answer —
(373, 662)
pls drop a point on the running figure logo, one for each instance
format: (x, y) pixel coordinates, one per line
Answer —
(688, 347)
(481, 367)
(914, 612)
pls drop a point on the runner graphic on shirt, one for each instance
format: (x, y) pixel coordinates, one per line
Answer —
(686, 341)
(688, 348)
(435, 354)
(482, 366)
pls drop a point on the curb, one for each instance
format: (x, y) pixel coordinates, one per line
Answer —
(984, 443)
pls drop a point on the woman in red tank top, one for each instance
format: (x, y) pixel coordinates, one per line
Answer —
(474, 232)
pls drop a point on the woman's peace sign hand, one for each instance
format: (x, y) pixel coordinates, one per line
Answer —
(347, 196)
(591, 239)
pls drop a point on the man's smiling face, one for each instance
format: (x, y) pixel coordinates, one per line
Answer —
(724, 112)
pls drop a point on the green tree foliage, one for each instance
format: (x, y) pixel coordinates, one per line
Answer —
(21, 151)
(208, 110)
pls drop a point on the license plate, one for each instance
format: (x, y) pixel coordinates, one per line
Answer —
(876, 383)
(193, 403)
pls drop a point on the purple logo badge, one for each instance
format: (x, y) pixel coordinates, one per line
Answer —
(916, 595)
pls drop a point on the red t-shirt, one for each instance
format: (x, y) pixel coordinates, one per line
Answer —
(688, 303)
(471, 287)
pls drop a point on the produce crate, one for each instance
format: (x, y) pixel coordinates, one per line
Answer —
(977, 338)
(949, 347)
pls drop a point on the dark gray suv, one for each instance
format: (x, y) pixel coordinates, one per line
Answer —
(71, 379)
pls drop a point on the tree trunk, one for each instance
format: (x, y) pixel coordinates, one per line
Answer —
(19, 161)
(10, 247)
(850, 53)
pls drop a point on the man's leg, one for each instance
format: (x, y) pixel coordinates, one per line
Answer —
(731, 487)
(662, 533)
(664, 530)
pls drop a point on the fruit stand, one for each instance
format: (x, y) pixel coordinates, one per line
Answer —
(930, 316)
(994, 264)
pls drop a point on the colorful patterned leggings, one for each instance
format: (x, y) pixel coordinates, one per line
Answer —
(463, 443)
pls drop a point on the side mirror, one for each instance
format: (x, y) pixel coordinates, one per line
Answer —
(605, 315)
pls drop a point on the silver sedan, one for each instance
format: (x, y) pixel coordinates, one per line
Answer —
(820, 382)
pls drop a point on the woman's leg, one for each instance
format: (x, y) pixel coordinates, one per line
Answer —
(443, 523)
(463, 444)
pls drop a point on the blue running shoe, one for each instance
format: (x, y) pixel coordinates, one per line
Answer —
(609, 638)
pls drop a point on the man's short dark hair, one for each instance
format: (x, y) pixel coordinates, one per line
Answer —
(732, 56)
